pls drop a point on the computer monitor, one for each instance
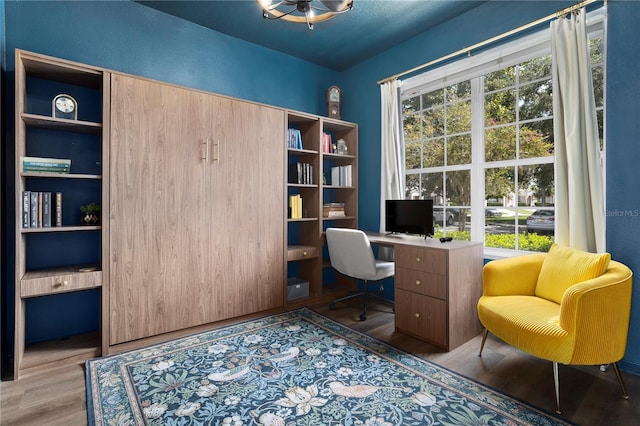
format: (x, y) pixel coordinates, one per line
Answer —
(409, 216)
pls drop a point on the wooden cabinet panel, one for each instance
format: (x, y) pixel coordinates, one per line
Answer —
(158, 247)
(422, 316)
(35, 284)
(195, 208)
(421, 282)
(422, 259)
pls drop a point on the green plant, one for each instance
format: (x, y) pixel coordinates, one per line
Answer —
(91, 208)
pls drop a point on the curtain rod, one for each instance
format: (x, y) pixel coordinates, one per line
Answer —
(467, 50)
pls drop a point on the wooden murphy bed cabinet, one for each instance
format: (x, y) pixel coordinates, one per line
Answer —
(196, 206)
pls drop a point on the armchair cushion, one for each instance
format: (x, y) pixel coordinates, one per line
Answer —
(564, 267)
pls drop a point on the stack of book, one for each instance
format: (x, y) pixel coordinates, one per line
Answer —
(41, 209)
(294, 139)
(327, 144)
(295, 206)
(333, 210)
(341, 176)
(301, 173)
(46, 165)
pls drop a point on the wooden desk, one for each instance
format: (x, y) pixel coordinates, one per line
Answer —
(437, 287)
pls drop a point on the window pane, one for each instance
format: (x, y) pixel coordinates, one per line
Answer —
(500, 143)
(535, 100)
(432, 99)
(601, 128)
(412, 155)
(432, 187)
(537, 185)
(459, 91)
(459, 149)
(433, 122)
(499, 226)
(500, 107)
(598, 85)
(411, 127)
(459, 117)
(500, 79)
(459, 188)
(433, 153)
(412, 185)
(411, 105)
(536, 139)
(535, 69)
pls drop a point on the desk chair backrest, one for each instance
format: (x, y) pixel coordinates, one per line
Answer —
(350, 253)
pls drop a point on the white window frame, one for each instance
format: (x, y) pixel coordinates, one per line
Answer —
(508, 54)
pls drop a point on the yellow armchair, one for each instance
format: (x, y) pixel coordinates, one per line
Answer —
(565, 306)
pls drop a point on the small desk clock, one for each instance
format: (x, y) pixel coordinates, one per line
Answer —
(64, 106)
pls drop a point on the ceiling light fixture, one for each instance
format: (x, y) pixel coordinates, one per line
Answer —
(303, 11)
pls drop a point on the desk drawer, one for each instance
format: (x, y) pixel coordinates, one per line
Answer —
(421, 259)
(421, 282)
(59, 283)
(302, 252)
(422, 316)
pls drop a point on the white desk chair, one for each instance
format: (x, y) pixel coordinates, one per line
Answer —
(351, 254)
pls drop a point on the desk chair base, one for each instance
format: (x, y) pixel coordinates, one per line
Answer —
(365, 295)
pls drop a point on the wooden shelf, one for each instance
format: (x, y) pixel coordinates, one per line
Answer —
(49, 175)
(45, 122)
(61, 229)
(53, 353)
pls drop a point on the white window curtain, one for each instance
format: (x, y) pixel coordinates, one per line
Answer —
(580, 216)
(392, 158)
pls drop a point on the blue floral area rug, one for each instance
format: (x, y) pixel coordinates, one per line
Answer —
(295, 368)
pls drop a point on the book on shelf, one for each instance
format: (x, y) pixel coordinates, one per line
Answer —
(327, 145)
(58, 204)
(43, 164)
(26, 209)
(41, 209)
(333, 210)
(294, 138)
(301, 173)
(342, 175)
(46, 210)
(34, 209)
(295, 206)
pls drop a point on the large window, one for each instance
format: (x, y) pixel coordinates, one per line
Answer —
(478, 137)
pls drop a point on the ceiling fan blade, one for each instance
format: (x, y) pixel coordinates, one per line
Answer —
(334, 5)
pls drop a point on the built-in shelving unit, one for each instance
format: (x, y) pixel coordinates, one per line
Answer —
(306, 253)
(57, 260)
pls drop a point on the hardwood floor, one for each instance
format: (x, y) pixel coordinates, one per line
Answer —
(588, 396)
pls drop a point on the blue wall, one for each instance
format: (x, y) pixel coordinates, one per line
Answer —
(131, 38)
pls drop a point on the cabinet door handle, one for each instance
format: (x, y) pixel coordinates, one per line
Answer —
(418, 282)
(205, 151)
(216, 155)
(418, 259)
(417, 315)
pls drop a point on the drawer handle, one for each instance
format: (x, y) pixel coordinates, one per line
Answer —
(418, 259)
(304, 253)
(418, 282)
(417, 315)
(61, 284)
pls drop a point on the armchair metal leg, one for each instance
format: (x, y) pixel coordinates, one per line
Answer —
(625, 395)
(484, 339)
(557, 386)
